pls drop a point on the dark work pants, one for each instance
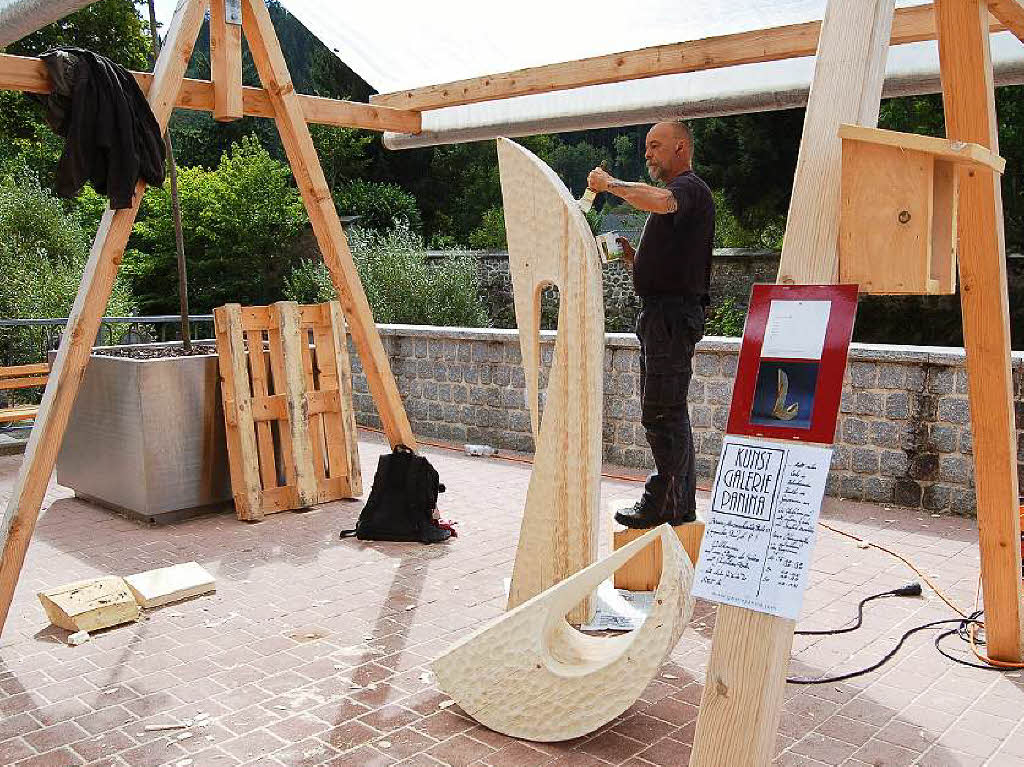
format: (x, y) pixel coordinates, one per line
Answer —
(668, 328)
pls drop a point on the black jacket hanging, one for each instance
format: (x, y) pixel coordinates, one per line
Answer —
(112, 138)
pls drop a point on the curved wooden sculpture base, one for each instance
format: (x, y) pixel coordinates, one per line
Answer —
(529, 674)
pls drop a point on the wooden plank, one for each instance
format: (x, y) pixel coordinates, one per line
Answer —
(316, 420)
(90, 605)
(20, 73)
(243, 455)
(15, 414)
(643, 572)
(958, 151)
(24, 370)
(294, 388)
(774, 44)
(945, 196)
(165, 585)
(881, 252)
(339, 339)
(309, 176)
(746, 674)
(83, 324)
(225, 64)
(843, 91)
(275, 408)
(23, 383)
(258, 318)
(277, 373)
(969, 103)
(1010, 13)
(264, 434)
(327, 362)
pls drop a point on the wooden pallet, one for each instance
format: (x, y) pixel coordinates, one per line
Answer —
(291, 429)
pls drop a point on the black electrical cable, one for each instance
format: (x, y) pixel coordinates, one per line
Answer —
(888, 656)
(911, 590)
(962, 629)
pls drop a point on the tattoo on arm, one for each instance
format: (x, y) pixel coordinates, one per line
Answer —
(635, 193)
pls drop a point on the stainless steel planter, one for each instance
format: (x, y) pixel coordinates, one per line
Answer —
(146, 437)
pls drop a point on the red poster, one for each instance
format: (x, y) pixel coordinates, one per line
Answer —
(790, 375)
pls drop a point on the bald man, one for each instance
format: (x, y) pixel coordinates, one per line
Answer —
(671, 275)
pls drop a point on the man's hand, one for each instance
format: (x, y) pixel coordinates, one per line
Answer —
(628, 254)
(599, 179)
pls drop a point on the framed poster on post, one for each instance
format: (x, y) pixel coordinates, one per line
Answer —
(789, 380)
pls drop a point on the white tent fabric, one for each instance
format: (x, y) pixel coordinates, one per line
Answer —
(407, 44)
(19, 18)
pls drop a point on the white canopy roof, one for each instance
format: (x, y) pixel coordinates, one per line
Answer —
(407, 44)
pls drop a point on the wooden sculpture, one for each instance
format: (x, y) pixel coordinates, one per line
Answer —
(529, 674)
(550, 243)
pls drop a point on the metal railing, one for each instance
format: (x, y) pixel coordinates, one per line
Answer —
(25, 341)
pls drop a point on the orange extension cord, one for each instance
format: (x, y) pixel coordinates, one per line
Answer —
(974, 625)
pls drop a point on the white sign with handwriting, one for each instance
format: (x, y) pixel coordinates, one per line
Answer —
(760, 533)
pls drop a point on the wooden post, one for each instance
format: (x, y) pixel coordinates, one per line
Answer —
(746, 675)
(298, 145)
(226, 59)
(969, 102)
(19, 518)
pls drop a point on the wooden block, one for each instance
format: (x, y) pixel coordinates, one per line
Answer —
(643, 571)
(164, 585)
(90, 605)
(529, 674)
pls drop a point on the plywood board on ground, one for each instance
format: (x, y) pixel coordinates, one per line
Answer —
(164, 585)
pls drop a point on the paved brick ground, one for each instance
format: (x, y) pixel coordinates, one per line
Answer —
(314, 651)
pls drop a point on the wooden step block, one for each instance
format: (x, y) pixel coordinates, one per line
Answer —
(90, 605)
(643, 571)
(154, 588)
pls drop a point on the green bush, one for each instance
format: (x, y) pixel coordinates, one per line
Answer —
(725, 319)
(379, 206)
(490, 235)
(242, 223)
(43, 251)
(399, 283)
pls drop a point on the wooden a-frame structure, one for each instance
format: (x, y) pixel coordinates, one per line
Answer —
(743, 692)
(227, 99)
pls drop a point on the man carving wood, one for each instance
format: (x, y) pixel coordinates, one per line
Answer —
(671, 274)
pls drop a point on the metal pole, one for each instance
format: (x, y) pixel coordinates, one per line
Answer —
(179, 239)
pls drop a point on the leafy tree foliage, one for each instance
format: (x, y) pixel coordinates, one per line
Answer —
(242, 222)
(400, 285)
(43, 250)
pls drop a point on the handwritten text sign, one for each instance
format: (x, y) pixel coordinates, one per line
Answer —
(760, 533)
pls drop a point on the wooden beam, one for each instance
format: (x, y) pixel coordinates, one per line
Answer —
(20, 73)
(225, 63)
(19, 519)
(1010, 13)
(775, 44)
(969, 103)
(946, 149)
(746, 674)
(309, 176)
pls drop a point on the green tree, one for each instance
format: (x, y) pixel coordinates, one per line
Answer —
(242, 223)
(400, 285)
(43, 251)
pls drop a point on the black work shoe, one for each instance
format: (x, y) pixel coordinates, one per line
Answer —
(641, 517)
(684, 517)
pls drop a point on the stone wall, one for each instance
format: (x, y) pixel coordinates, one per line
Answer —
(733, 271)
(904, 434)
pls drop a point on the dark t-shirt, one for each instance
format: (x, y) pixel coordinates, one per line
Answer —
(674, 256)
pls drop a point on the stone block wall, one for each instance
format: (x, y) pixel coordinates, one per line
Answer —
(903, 438)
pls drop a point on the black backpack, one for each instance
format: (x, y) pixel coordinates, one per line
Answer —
(402, 501)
